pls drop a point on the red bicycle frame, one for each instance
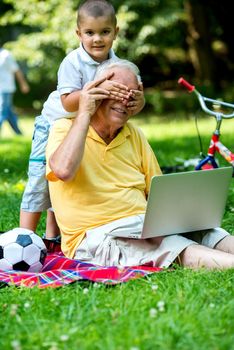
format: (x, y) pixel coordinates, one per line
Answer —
(215, 145)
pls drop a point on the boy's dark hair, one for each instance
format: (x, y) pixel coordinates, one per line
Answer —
(96, 8)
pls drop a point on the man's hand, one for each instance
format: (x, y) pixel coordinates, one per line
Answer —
(136, 101)
(91, 96)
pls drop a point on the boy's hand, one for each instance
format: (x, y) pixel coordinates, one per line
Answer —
(117, 91)
(136, 101)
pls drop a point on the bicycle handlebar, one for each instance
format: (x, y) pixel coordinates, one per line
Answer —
(203, 100)
(186, 84)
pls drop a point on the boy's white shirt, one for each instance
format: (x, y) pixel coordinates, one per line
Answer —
(8, 67)
(75, 71)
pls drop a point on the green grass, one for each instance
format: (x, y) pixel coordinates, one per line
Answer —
(198, 306)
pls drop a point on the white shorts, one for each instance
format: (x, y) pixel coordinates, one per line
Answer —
(100, 249)
(36, 194)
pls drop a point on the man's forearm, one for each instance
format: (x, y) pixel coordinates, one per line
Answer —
(66, 160)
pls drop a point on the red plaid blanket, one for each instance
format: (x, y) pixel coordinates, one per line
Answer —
(59, 270)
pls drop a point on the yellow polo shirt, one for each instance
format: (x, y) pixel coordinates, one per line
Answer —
(112, 182)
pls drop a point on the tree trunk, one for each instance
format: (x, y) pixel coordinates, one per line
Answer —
(199, 41)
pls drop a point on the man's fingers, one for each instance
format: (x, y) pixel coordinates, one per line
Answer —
(131, 104)
(110, 75)
(136, 93)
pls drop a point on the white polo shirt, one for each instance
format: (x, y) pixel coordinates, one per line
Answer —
(75, 71)
(8, 67)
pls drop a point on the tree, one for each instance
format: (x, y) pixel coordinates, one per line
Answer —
(210, 41)
(164, 38)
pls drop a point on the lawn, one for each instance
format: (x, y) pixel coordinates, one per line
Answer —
(180, 309)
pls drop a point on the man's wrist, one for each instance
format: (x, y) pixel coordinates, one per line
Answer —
(83, 119)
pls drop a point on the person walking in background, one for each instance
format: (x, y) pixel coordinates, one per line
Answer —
(9, 71)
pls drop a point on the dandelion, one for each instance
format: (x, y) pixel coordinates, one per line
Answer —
(153, 312)
(16, 345)
(134, 348)
(85, 291)
(154, 287)
(96, 285)
(212, 305)
(161, 305)
(27, 305)
(54, 347)
(55, 301)
(64, 337)
(18, 318)
(6, 171)
(13, 309)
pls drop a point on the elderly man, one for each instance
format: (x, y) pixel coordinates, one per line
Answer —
(99, 169)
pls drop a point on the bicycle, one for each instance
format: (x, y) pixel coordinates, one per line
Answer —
(209, 161)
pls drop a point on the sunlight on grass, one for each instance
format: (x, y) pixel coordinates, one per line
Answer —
(161, 128)
(25, 124)
(155, 127)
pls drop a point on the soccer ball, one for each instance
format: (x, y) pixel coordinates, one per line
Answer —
(21, 249)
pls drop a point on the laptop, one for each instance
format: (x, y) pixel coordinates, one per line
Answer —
(182, 202)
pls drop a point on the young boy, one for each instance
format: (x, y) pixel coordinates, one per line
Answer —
(96, 29)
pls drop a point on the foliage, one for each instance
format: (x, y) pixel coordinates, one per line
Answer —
(47, 34)
(51, 26)
(166, 39)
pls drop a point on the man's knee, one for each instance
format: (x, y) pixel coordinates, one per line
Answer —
(226, 244)
(198, 256)
(189, 256)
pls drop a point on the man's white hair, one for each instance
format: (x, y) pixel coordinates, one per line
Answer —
(113, 63)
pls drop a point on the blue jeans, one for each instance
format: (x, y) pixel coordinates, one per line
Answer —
(6, 112)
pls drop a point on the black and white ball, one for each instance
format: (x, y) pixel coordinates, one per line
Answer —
(21, 249)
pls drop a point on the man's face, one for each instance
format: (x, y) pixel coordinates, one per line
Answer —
(112, 112)
(97, 36)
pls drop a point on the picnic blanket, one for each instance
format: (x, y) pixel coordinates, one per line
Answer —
(59, 271)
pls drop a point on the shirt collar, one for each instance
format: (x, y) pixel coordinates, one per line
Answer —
(118, 140)
(88, 59)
